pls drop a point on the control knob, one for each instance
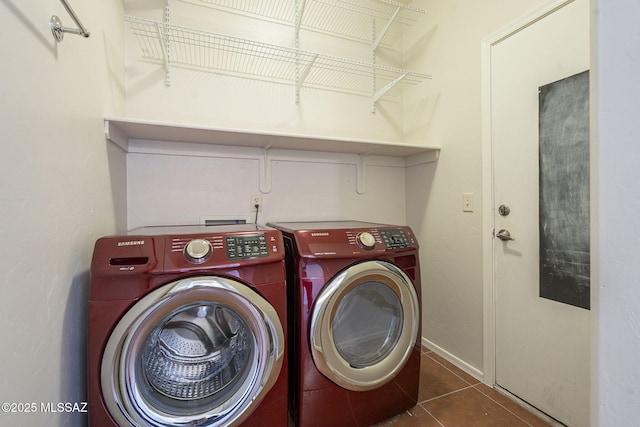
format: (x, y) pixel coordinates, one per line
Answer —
(366, 240)
(198, 251)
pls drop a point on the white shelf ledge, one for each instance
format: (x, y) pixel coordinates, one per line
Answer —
(120, 130)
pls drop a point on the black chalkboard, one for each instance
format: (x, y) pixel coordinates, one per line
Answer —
(564, 190)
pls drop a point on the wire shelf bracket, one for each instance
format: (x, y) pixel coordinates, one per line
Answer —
(380, 93)
(385, 29)
(303, 76)
(166, 53)
(300, 5)
(58, 29)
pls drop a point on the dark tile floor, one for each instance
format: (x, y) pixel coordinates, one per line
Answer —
(449, 397)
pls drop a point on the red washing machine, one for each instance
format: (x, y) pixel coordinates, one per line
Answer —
(354, 321)
(187, 327)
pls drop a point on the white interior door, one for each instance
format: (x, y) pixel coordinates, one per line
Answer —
(541, 346)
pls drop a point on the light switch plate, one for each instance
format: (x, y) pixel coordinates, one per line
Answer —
(467, 202)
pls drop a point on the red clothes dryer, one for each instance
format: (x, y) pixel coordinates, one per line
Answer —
(187, 327)
(354, 313)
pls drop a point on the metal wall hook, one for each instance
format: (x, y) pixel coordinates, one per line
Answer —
(58, 30)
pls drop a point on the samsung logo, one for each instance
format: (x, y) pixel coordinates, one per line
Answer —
(319, 234)
(131, 243)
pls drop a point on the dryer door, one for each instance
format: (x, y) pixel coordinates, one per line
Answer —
(200, 351)
(364, 325)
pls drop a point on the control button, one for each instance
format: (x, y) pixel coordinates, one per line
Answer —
(366, 240)
(394, 239)
(198, 250)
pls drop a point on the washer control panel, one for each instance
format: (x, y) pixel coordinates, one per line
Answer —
(394, 238)
(247, 246)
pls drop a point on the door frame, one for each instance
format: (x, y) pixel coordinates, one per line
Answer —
(488, 225)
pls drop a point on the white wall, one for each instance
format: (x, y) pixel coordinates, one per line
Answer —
(61, 187)
(218, 100)
(447, 112)
(200, 182)
(616, 296)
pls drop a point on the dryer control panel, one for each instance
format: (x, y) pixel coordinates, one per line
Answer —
(348, 239)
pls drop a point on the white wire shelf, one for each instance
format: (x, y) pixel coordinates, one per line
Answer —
(186, 47)
(361, 20)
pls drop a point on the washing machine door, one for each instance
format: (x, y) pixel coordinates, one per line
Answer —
(364, 325)
(202, 351)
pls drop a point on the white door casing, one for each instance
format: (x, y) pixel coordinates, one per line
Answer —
(537, 349)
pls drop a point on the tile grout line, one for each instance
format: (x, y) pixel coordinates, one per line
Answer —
(470, 386)
(451, 392)
(507, 409)
(431, 415)
(446, 394)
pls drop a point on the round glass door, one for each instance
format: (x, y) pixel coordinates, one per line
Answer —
(368, 324)
(364, 324)
(201, 351)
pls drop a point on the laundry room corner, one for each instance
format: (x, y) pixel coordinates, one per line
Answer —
(322, 155)
(447, 113)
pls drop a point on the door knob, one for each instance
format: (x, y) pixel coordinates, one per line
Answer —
(504, 235)
(504, 210)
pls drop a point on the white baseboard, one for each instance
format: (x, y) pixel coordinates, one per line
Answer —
(474, 372)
